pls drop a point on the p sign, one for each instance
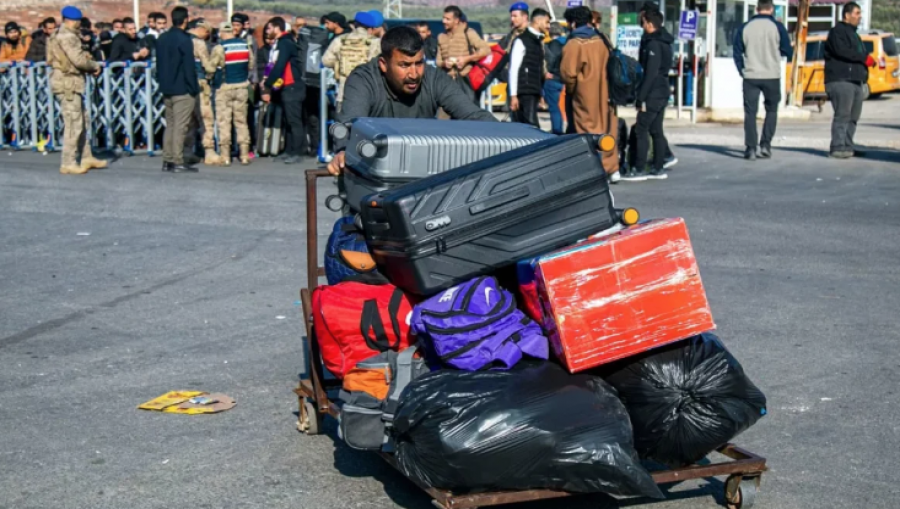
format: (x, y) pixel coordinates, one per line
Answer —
(687, 28)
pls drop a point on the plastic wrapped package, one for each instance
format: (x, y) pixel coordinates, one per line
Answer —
(532, 427)
(686, 399)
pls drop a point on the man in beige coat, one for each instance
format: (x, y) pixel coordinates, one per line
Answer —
(583, 70)
(459, 49)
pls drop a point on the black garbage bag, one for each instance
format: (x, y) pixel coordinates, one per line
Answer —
(532, 427)
(685, 399)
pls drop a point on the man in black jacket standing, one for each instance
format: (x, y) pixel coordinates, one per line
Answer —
(553, 85)
(125, 44)
(526, 70)
(846, 70)
(178, 83)
(285, 85)
(652, 98)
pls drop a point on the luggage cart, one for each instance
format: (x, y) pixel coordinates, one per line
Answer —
(743, 468)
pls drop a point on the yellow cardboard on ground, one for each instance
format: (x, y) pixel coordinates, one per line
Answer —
(169, 399)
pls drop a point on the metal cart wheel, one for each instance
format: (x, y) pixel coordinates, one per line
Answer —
(740, 492)
(310, 420)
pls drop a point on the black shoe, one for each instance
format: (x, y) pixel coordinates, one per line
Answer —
(292, 160)
(750, 154)
(192, 159)
(634, 176)
(280, 158)
(183, 168)
(657, 174)
(765, 152)
(167, 166)
(841, 154)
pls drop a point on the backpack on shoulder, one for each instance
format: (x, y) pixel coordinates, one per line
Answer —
(624, 75)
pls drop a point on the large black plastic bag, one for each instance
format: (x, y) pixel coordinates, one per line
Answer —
(535, 426)
(686, 399)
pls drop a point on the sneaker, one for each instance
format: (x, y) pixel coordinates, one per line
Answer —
(634, 176)
(292, 160)
(765, 152)
(280, 158)
(657, 174)
(670, 162)
(615, 177)
(842, 154)
(750, 154)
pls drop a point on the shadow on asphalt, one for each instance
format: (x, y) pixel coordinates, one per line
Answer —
(716, 149)
(872, 153)
(884, 126)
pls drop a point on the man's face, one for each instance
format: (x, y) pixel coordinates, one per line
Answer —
(202, 33)
(236, 29)
(13, 35)
(403, 72)
(518, 19)
(450, 22)
(272, 32)
(161, 24)
(541, 24)
(117, 27)
(331, 26)
(131, 30)
(424, 31)
(853, 17)
(49, 28)
(151, 23)
(299, 23)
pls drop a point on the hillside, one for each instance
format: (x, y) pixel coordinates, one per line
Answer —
(886, 15)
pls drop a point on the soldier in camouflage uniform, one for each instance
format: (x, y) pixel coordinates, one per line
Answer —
(349, 51)
(235, 58)
(204, 112)
(70, 64)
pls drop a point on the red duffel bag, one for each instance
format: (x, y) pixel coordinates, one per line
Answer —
(356, 320)
(484, 72)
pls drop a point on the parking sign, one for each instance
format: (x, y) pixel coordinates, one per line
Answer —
(687, 28)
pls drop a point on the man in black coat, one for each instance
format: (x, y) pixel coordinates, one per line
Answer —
(846, 71)
(37, 52)
(285, 85)
(125, 45)
(177, 77)
(652, 98)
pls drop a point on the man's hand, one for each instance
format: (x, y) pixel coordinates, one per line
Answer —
(514, 103)
(98, 71)
(870, 62)
(548, 76)
(144, 52)
(640, 107)
(266, 98)
(449, 63)
(336, 166)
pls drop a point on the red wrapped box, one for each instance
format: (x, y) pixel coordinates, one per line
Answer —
(617, 295)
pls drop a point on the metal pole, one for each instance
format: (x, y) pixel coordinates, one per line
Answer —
(137, 13)
(800, 32)
(230, 8)
(680, 79)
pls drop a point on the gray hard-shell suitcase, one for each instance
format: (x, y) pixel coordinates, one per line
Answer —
(442, 230)
(383, 153)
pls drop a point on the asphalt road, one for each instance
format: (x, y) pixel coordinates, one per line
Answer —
(126, 283)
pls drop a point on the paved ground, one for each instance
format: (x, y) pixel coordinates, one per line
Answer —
(121, 285)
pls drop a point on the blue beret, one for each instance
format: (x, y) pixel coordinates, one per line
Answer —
(364, 18)
(519, 6)
(71, 12)
(377, 18)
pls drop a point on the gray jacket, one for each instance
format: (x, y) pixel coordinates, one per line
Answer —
(759, 46)
(366, 94)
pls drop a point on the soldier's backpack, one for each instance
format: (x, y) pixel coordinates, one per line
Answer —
(346, 253)
(624, 75)
(354, 52)
(358, 318)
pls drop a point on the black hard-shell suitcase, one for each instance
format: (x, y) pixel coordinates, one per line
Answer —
(442, 230)
(269, 137)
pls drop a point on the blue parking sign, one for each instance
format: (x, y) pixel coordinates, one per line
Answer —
(687, 28)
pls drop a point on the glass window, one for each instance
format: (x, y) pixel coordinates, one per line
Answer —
(890, 46)
(870, 46)
(729, 18)
(815, 50)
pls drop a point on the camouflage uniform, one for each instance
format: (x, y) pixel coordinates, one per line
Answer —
(70, 63)
(203, 113)
(232, 100)
(348, 52)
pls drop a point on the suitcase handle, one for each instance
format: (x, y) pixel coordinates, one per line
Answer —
(497, 201)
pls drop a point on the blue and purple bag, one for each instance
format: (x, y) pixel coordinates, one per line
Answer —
(476, 325)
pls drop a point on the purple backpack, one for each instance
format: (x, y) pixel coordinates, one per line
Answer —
(476, 325)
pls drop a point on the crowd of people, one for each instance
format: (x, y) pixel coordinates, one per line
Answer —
(213, 78)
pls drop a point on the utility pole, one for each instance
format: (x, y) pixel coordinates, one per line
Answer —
(393, 9)
(800, 33)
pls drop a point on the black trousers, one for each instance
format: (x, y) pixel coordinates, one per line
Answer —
(528, 110)
(311, 119)
(650, 125)
(295, 134)
(771, 91)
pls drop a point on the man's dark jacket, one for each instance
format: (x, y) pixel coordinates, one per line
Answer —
(123, 48)
(366, 94)
(553, 56)
(175, 69)
(288, 55)
(37, 52)
(656, 60)
(430, 46)
(845, 55)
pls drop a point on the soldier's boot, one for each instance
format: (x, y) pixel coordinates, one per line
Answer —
(73, 170)
(92, 163)
(226, 160)
(245, 155)
(212, 159)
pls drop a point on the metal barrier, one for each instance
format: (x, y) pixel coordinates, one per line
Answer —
(123, 108)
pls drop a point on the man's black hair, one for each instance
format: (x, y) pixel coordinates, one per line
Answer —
(578, 16)
(86, 23)
(158, 15)
(848, 8)
(47, 21)
(421, 24)
(539, 12)
(278, 22)
(127, 21)
(456, 11)
(655, 18)
(404, 39)
(765, 5)
(179, 16)
(649, 6)
(117, 20)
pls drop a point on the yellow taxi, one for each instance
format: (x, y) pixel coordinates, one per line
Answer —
(884, 77)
